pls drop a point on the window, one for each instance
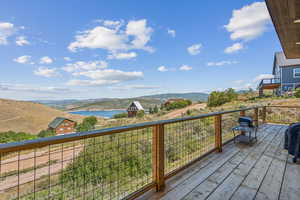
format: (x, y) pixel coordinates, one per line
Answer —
(297, 73)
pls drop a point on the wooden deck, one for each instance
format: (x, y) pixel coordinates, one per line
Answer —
(261, 171)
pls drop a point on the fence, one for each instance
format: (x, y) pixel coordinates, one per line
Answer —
(113, 163)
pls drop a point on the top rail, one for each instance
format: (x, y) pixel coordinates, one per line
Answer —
(42, 142)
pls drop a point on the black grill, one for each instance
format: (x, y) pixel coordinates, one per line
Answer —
(246, 121)
(292, 140)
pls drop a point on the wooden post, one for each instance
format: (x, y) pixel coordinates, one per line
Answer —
(264, 114)
(218, 132)
(256, 117)
(158, 153)
(242, 113)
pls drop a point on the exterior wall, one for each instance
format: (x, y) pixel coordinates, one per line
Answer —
(132, 113)
(288, 82)
(66, 127)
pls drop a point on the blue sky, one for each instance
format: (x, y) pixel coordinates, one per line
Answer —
(95, 49)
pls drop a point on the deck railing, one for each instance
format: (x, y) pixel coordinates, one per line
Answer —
(114, 163)
(269, 81)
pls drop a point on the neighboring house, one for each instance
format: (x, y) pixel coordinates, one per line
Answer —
(286, 74)
(61, 125)
(133, 108)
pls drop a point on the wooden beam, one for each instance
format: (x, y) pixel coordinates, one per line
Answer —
(218, 132)
(158, 160)
(264, 114)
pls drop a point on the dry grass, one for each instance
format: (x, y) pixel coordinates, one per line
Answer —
(28, 116)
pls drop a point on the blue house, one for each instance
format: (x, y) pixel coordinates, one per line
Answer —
(286, 74)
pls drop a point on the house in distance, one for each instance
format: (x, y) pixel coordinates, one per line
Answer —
(61, 125)
(133, 108)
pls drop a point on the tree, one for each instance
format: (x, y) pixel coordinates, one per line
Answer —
(297, 93)
(219, 98)
(151, 110)
(155, 110)
(87, 124)
(46, 133)
(140, 114)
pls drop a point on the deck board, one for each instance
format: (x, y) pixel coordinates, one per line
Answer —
(261, 171)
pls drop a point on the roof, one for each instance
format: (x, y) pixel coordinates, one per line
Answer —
(282, 61)
(57, 121)
(137, 105)
(286, 17)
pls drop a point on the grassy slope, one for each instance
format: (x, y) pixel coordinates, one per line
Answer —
(27, 116)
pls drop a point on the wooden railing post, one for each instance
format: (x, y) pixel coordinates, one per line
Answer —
(264, 114)
(242, 113)
(218, 132)
(158, 153)
(256, 117)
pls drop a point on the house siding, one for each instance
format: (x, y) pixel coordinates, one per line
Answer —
(288, 75)
(66, 127)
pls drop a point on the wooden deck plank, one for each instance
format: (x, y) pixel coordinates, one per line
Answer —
(233, 181)
(203, 190)
(251, 184)
(291, 184)
(271, 185)
(189, 184)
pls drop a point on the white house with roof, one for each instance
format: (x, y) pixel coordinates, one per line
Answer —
(133, 108)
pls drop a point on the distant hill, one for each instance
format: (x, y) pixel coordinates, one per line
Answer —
(106, 104)
(192, 96)
(28, 117)
(120, 103)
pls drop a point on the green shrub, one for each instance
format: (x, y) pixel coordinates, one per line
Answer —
(11, 136)
(178, 104)
(297, 93)
(140, 114)
(46, 133)
(87, 124)
(120, 115)
(219, 98)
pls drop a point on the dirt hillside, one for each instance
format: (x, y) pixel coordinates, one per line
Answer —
(28, 116)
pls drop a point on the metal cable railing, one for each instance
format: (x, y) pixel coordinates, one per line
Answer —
(113, 163)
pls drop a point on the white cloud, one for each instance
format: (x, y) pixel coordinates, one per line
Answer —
(6, 30)
(249, 22)
(185, 68)
(262, 76)
(46, 72)
(112, 24)
(46, 60)
(194, 49)
(234, 48)
(82, 65)
(122, 56)
(162, 69)
(135, 87)
(67, 59)
(23, 59)
(22, 40)
(29, 88)
(135, 35)
(171, 32)
(141, 33)
(104, 77)
(221, 63)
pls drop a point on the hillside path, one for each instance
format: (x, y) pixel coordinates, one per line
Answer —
(179, 112)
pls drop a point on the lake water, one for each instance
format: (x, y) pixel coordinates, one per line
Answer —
(100, 113)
